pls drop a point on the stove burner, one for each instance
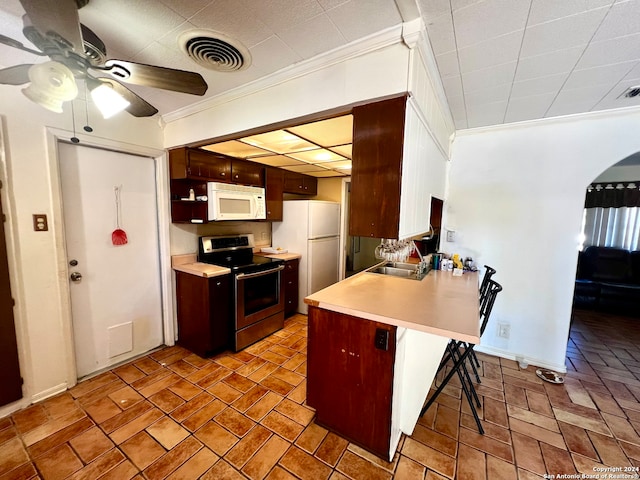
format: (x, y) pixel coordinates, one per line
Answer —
(234, 252)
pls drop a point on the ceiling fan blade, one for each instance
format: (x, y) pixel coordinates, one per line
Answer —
(16, 75)
(138, 106)
(157, 77)
(57, 19)
(16, 44)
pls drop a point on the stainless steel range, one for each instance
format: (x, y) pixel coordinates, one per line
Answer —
(258, 286)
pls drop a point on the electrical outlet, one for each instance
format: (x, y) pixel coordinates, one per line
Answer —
(382, 339)
(451, 236)
(40, 223)
(504, 329)
(263, 236)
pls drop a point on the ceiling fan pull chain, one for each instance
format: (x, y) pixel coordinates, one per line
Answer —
(74, 139)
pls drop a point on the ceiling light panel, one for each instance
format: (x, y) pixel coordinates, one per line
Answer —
(306, 168)
(339, 164)
(330, 173)
(279, 141)
(236, 149)
(335, 131)
(344, 150)
(320, 155)
(278, 161)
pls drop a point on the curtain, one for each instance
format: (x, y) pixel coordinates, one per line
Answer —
(612, 215)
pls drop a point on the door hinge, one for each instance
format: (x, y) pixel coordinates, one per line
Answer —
(4, 218)
(13, 302)
(1, 185)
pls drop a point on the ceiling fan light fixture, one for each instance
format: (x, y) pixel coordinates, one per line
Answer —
(108, 101)
(52, 83)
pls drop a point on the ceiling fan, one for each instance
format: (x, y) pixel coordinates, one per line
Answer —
(76, 53)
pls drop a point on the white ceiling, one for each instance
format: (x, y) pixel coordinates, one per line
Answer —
(500, 60)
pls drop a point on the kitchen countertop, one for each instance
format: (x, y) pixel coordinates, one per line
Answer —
(440, 303)
(188, 264)
(282, 256)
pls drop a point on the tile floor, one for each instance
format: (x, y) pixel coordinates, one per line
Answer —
(175, 415)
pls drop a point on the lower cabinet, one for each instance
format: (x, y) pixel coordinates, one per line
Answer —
(350, 372)
(204, 313)
(291, 287)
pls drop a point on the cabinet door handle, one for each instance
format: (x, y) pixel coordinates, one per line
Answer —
(222, 174)
(237, 176)
(218, 283)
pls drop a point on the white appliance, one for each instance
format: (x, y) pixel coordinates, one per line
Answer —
(235, 202)
(311, 228)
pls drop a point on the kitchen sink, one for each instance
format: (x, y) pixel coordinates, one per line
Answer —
(399, 269)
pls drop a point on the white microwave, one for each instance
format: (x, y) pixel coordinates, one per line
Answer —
(235, 202)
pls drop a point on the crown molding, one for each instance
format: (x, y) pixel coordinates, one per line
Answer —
(371, 43)
(599, 114)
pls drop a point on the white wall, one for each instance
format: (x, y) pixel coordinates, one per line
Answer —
(515, 199)
(619, 174)
(36, 259)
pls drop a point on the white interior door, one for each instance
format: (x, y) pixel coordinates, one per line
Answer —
(116, 305)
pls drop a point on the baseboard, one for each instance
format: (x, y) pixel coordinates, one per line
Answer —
(49, 392)
(521, 358)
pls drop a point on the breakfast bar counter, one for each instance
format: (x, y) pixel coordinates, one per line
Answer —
(375, 344)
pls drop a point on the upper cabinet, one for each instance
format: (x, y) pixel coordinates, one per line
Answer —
(300, 183)
(376, 173)
(274, 186)
(198, 164)
(397, 167)
(247, 173)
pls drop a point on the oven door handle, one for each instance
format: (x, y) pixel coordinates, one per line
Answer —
(242, 276)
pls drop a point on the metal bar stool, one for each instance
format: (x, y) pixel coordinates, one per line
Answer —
(484, 285)
(454, 353)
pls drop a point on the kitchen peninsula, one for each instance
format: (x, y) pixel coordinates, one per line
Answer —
(375, 343)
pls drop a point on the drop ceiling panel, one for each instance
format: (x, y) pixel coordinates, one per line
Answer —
(494, 94)
(340, 165)
(561, 61)
(487, 114)
(576, 100)
(623, 19)
(313, 36)
(320, 155)
(306, 168)
(547, 10)
(334, 131)
(277, 160)
(431, 9)
(613, 99)
(330, 173)
(528, 108)
(538, 86)
(186, 9)
(452, 86)
(237, 149)
(279, 141)
(448, 64)
(574, 31)
(482, 21)
(441, 34)
(278, 15)
(616, 50)
(238, 22)
(488, 77)
(272, 55)
(344, 150)
(489, 53)
(609, 74)
(358, 18)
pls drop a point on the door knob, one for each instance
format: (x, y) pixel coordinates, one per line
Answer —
(76, 276)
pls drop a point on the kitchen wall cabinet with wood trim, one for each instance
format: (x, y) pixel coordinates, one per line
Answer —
(194, 163)
(203, 311)
(274, 188)
(247, 173)
(396, 168)
(300, 184)
(291, 290)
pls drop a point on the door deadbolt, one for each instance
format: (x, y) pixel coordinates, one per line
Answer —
(76, 276)
(73, 263)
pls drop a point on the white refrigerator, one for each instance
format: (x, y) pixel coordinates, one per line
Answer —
(312, 229)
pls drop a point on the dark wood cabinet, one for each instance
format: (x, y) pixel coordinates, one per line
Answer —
(299, 183)
(247, 173)
(187, 211)
(274, 186)
(199, 164)
(376, 175)
(291, 286)
(204, 313)
(349, 380)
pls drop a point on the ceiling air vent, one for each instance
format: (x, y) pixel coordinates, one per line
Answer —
(632, 92)
(215, 51)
